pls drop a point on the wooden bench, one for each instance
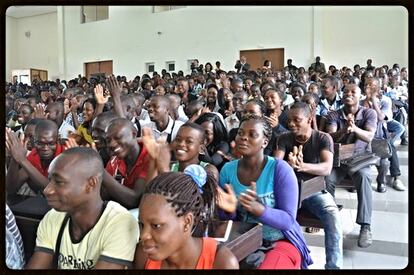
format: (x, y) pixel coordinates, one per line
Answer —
(306, 189)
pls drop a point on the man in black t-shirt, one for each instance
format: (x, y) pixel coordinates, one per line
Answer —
(310, 153)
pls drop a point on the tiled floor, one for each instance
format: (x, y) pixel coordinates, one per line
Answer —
(389, 249)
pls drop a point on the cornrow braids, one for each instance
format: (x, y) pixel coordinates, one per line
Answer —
(267, 129)
(180, 190)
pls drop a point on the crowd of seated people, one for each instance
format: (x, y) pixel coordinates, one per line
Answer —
(187, 149)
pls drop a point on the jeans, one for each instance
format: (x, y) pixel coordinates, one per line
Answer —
(323, 206)
(396, 128)
(394, 163)
(362, 181)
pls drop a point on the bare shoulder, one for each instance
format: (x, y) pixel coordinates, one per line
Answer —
(225, 259)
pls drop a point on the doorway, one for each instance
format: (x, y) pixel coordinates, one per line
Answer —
(101, 67)
(257, 57)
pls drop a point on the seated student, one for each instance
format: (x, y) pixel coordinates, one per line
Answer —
(176, 110)
(217, 146)
(382, 106)
(239, 99)
(318, 122)
(24, 114)
(126, 172)
(354, 124)
(99, 125)
(93, 234)
(55, 112)
(314, 157)
(32, 168)
(264, 189)
(83, 134)
(225, 100)
(297, 90)
(161, 122)
(173, 204)
(187, 146)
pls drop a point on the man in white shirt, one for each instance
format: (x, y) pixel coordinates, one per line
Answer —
(161, 122)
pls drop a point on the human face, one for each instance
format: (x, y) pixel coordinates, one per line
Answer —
(162, 233)
(250, 138)
(209, 131)
(351, 95)
(24, 114)
(239, 99)
(313, 89)
(29, 136)
(99, 134)
(182, 87)
(187, 144)
(157, 109)
(45, 143)
(273, 101)
(212, 95)
(328, 89)
(252, 108)
(64, 192)
(120, 139)
(247, 84)
(298, 123)
(88, 112)
(297, 93)
(236, 87)
(227, 95)
(159, 90)
(371, 88)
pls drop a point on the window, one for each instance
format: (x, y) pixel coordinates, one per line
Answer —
(170, 66)
(93, 13)
(156, 9)
(150, 67)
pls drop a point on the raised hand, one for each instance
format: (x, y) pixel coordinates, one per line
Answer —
(15, 146)
(71, 142)
(100, 97)
(250, 201)
(113, 86)
(226, 199)
(40, 111)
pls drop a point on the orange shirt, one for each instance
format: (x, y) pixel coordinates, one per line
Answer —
(205, 261)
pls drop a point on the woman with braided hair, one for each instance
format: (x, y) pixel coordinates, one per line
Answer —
(170, 209)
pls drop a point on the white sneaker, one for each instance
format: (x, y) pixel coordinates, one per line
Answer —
(398, 185)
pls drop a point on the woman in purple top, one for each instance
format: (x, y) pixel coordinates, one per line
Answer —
(260, 188)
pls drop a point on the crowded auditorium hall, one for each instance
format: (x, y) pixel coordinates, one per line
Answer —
(206, 137)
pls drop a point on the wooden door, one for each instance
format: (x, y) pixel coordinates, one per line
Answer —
(257, 57)
(98, 67)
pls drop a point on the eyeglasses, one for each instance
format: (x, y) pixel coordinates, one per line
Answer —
(44, 144)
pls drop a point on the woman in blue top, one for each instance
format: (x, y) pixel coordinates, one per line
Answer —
(260, 188)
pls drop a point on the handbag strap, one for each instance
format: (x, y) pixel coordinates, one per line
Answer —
(58, 241)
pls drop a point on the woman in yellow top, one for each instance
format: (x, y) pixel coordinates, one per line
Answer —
(84, 130)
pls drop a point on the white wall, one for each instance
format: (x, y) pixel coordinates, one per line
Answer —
(11, 42)
(351, 35)
(39, 51)
(206, 33)
(342, 36)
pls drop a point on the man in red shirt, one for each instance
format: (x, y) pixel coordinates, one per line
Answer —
(33, 168)
(126, 172)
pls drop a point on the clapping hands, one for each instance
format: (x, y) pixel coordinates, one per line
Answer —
(295, 158)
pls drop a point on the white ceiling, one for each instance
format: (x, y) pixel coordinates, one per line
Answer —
(25, 11)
